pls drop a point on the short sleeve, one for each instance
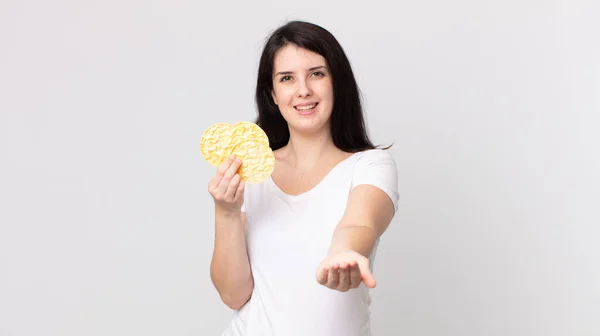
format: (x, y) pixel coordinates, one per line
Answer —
(378, 168)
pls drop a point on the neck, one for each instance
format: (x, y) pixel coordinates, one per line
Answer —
(305, 151)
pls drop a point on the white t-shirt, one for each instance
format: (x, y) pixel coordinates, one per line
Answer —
(288, 236)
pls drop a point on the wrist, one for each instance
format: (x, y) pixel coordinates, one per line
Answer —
(228, 212)
(353, 239)
(338, 249)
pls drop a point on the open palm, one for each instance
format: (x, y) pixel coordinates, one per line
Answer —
(344, 271)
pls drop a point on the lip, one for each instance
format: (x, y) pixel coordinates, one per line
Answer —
(305, 104)
(306, 112)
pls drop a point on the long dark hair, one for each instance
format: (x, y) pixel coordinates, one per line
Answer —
(348, 129)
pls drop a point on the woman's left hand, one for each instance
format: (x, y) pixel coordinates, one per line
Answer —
(345, 270)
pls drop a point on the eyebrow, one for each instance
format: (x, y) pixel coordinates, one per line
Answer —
(290, 72)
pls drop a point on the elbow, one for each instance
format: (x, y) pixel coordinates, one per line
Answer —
(236, 296)
(236, 302)
(234, 293)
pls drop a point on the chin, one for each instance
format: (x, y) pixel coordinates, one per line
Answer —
(309, 126)
(310, 121)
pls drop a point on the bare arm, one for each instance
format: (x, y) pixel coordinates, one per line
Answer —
(230, 268)
(368, 214)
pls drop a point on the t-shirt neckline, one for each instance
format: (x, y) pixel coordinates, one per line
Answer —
(288, 197)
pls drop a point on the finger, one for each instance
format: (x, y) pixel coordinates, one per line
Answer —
(322, 275)
(233, 185)
(233, 168)
(240, 190)
(366, 275)
(224, 166)
(355, 277)
(344, 275)
(333, 278)
(228, 175)
(216, 179)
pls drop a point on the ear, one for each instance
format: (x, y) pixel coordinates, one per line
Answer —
(274, 98)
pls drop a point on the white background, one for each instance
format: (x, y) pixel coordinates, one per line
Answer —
(106, 227)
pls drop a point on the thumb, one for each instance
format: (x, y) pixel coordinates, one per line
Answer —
(367, 276)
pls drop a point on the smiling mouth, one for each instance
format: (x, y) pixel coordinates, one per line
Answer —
(306, 107)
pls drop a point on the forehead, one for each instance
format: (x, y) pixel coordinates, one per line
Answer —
(294, 58)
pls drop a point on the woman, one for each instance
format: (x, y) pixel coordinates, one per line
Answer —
(293, 254)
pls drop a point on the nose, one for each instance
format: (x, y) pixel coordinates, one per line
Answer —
(304, 89)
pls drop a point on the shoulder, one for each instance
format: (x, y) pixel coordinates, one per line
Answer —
(375, 156)
(376, 153)
(377, 167)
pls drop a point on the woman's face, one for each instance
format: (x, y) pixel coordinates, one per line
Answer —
(302, 89)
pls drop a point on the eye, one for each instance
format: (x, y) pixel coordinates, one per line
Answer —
(318, 74)
(285, 78)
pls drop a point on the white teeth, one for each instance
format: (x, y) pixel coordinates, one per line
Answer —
(304, 108)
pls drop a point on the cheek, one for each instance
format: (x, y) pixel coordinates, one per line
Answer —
(330, 91)
(282, 96)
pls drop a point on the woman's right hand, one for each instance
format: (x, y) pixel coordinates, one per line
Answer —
(226, 187)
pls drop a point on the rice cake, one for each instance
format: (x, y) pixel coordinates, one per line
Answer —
(246, 141)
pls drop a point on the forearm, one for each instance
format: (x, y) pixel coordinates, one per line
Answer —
(357, 238)
(230, 267)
